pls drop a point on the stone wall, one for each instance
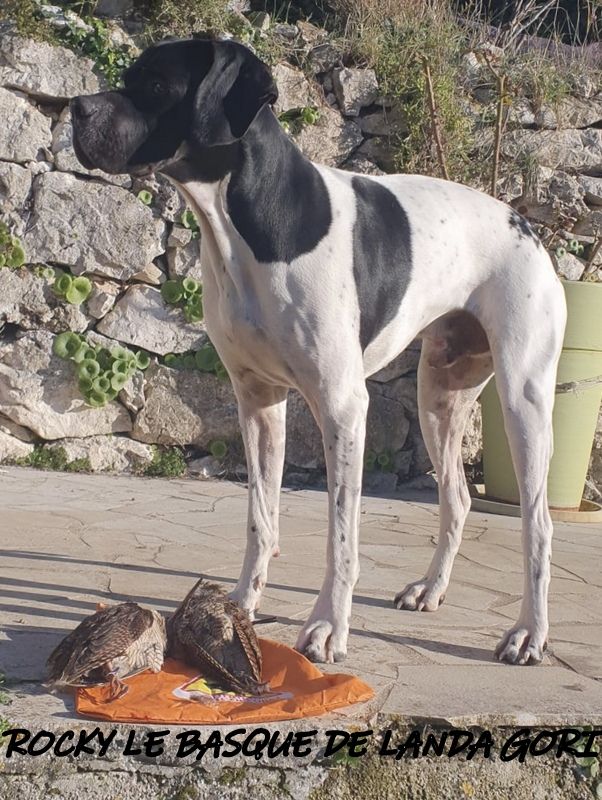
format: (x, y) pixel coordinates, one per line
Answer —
(130, 235)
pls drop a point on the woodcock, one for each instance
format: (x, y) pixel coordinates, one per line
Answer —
(210, 632)
(112, 644)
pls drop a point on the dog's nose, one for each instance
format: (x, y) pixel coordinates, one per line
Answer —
(84, 106)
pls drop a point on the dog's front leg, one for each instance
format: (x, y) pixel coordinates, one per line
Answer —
(343, 424)
(262, 414)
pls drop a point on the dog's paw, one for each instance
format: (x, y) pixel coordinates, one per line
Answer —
(521, 646)
(421, 595)
(320, 642)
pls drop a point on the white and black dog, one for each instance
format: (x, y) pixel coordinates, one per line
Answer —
(315, 278)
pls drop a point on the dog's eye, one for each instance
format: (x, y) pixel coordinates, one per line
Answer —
(158, 88)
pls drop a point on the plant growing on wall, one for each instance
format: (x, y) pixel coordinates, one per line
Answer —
(73, 290)
(205, 360)
(101, 372)
(186, 293)
(12, 253)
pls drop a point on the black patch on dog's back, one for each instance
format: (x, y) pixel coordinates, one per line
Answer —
(521, 226)
(382, 255)
(277, 200)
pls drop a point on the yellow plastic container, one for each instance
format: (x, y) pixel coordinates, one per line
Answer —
(575, 413)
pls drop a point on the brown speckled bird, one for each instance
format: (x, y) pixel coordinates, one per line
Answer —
(210, 632)
(114, 643)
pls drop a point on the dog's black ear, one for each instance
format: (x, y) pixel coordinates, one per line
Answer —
(236, 88)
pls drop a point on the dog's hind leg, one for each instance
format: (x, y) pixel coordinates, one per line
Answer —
(446, 393)
(341, 415)
(525, 365)
(262, 414)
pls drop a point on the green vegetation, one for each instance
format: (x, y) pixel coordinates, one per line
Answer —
(12, 253)
(73, 290)
(166, 463)
(101, 372)
(54, 459)
(205, 360)
(186, 293)
(94, 42)
(382, 461)
(218, 449)
(297, 118)
(145, 197)
(189, 221)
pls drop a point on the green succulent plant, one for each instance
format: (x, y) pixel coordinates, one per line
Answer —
(145, 197)
(218, 449)
(73, 290)
(101, 373)
(12, 252)
(186, 293)
(382, 461)
(205, 360)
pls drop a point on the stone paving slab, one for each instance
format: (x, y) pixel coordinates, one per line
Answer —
(69, 541)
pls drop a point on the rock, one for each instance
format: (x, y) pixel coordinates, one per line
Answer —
(590, 225)
(583, 84)
(595, 464)
(132, 394)
(39, 391)
(382, 483)
(15, 184)
(91, 227)
(574, 150)
(310, 33)
(285, 31)
(12, 448)
(331, 140)
(361, 165)
(103, 297)
(592, 189)
(381, 151)
(18, 431)
(324, 57)
(260, 20)
(179, 236)
(183, 261)
(206, 467)
(294, 90)
(113, 8)
(566, 192)
(387, 426)
(167, 201)
(355, 89)
(569, 266)
(304, 446)
(142, 318)
(574, 112)
(44, 70)
(24, 132)
(150, 274)
(384, 123)
(28, 301)
(107, 453)
(65, 159)
(186, 407)
(405, 362)
(472, 442)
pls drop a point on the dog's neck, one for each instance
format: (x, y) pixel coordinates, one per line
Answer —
(262, 186)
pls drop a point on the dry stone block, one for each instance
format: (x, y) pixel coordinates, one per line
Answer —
(24, 131)
(91, 227)
(186, 407)
(12, 448)
(28, 301)
(142, 318)
(44, 70)
(574, 150)
(108, 453)
(39, 391)
(331, 140)
(354, 89)
(294, 90)
(15, 183)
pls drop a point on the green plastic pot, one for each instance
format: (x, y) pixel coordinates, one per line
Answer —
(575, 413)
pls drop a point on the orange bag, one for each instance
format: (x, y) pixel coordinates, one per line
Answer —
(178, 694)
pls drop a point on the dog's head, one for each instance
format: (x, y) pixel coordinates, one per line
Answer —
(204, 92)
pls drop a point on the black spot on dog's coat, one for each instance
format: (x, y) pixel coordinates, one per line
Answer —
(382, 256)
(521, 226)
(277, 199)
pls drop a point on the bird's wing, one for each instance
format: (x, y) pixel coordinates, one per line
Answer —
(98, 639)
(247, 637)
